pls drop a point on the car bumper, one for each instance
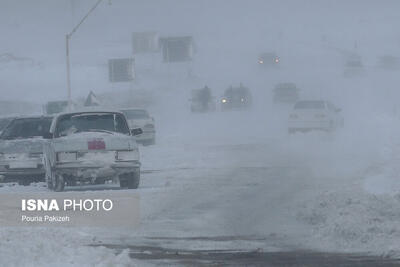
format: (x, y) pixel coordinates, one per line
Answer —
(97, 170)
(18, 169)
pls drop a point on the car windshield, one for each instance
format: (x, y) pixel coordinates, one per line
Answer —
(26, 128)
(135, 114)
(310, 105)
(89, 122)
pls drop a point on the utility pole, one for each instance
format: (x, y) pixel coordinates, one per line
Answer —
(67, 39)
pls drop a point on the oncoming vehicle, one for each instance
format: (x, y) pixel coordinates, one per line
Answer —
(202, 100)
(314, 115)
(90, 148)
(236, 98)
(268, 59)
(140, 118)
(21, 150)
(286, 93)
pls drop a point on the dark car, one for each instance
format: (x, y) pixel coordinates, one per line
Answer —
(268, 59)
(202, 100)
(21, 149)
(285, 93)
(236, 98)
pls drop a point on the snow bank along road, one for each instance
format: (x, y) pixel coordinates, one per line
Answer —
(260, 192)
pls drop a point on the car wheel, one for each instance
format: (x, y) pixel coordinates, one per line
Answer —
(58, 183)
(130, 180)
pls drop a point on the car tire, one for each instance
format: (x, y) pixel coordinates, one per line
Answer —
(130, 180)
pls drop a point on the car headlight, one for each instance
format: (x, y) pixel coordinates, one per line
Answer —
(66, 156)
(224, 100)
(128, 155)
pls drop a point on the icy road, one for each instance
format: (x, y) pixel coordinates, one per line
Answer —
(217, 192)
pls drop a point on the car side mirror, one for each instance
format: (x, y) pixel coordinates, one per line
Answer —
(48, 135)
(136, 131)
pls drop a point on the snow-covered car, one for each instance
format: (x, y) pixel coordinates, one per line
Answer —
(90, 147)
(140, 118)
(21, 149)
(310, 115)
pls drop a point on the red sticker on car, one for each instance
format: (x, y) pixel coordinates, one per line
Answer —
(96, 144)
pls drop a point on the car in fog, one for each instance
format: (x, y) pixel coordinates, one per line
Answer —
(140, 118)
(353, 66)
(90, 147)
(202, 100)
(236, 98)
(388, 62)
(308, 115)
(21, 149)
(285, 93)
(270, 59)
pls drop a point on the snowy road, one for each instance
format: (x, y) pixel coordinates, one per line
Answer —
(248, 191)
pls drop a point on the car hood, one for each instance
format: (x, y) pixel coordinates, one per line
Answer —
(31, 145)
(92, 141)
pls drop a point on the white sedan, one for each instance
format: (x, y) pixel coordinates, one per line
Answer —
(91, 147)
(310, 115)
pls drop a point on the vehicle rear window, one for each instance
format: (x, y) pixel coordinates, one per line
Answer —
(309, 105)
(88, 122)
(26, 128)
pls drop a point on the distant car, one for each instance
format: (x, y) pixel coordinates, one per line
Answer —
(389, 62)
(268, 59)
(140, 118)
(91, 147)
(353, 66)
(236, 98)
(202, 100)
(311, 115)
(21, 149)
(286, 93)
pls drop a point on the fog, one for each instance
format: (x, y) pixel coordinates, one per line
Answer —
(237, 172)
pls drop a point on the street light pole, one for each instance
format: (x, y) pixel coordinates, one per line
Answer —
(67, 38)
